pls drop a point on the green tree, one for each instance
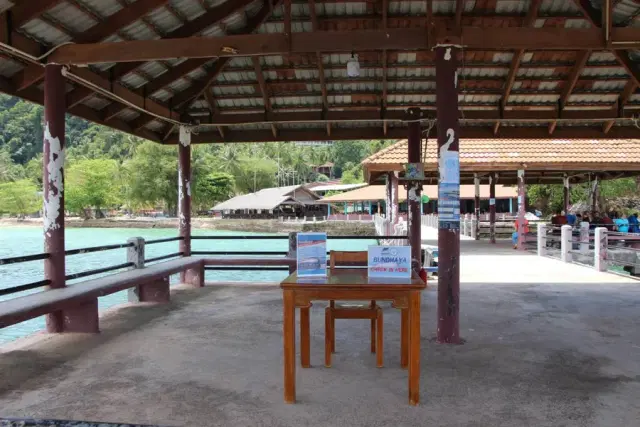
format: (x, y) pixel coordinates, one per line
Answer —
(213, 188)
(19, 198)
(92, 183)
(9, 171)
(255, 174)
(151, 176)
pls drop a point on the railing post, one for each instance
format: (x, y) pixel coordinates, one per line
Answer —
(474, 228)
(565, 243)
(135, 253)
(293, 251)
(542, 239)
(600, 245)
(584, 236)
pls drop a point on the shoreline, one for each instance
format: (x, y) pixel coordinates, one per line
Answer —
(246, 225)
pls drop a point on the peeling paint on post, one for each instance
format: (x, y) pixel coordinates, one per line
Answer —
(392, 198)
(566, 194)
(492, 207)
(184, 199)
(521, 210)
(53, 185)
(414, 191)
(448, 195)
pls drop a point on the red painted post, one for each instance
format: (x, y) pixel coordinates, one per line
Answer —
(414, 190)
(566, 194)
(53, 185)
(521, 210)
(492, 207)
(448, 194)
(193, 277)
(476, 205)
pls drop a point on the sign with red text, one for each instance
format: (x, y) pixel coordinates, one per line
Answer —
(390, 261)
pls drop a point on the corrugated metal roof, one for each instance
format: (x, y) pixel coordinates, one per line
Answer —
(266, 199)
(8, 67)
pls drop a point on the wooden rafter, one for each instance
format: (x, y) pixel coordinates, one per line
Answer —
(581, 61)
(321, 76)
(125, 16)
(25, 11)
(263, 84)
(532, 14)
(459, 11)
(598, 19)
(197, 89)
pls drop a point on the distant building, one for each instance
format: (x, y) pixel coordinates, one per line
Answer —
(292, 201)
(325, 169)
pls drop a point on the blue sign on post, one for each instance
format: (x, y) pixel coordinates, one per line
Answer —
(390, 261)
(312, 254)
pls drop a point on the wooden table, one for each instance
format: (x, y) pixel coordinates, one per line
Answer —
(351, 284)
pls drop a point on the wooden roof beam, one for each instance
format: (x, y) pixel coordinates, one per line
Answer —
(401, 132)
(623, 99)
(459, 11)
(512, 38)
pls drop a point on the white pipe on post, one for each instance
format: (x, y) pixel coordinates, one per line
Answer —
(600, 244)
(542, 239)
(565, 243)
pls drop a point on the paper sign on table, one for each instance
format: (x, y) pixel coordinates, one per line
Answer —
(312, 254)
(390, 261)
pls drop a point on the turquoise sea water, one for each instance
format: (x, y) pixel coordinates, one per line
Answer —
(16, 241)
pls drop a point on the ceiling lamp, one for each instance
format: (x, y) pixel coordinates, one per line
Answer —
(353, 66)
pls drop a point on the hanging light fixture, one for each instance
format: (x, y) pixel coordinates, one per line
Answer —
(353, 66)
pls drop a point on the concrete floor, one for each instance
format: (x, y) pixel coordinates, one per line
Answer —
(547, 344)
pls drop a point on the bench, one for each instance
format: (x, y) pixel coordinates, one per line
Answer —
(79, 303)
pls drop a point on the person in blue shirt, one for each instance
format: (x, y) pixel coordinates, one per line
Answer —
(634, 226)
(571, 219)
(622, 224)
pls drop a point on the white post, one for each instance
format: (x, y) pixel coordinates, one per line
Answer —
(464, 226)
(565, 243)
(474, 228)
(584, 236)
(542, 239)
(600, 244)
(135, 254)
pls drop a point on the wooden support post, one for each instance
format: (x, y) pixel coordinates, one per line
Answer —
(83, 317)
(522, 194)
(293, 251)
(492, 207)
(448, 195)
(193, 277)
(476, 206)
(595, 194)
(414, 191)
(53, 185)
(392, 198)
(566, 194)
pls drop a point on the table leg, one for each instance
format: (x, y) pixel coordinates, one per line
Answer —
(305, 339)
(328, 325)
(379, 339)
(289, 333)
(414, 347)
(404, 337)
